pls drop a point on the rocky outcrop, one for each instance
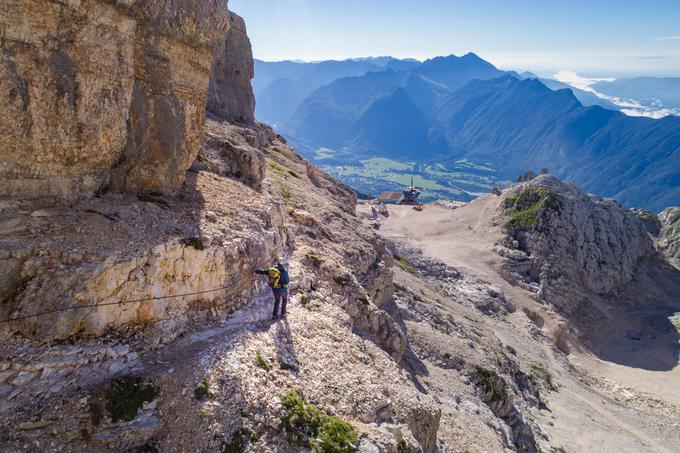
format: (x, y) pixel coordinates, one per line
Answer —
(95, 85)
(114, 249)
(231, 96)
(578, 245)
(670, 233)
(234, 155)
(650, 220)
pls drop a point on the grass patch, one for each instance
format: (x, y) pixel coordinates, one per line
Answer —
(314, 258)
(343, 280)
(310, 427)
(405, 265)
(542, 378)
(487, 379)
(293, 174)
(238, 441)
(202, 391)
(194, 242)
(261, 362)
(285, 194)
(526, 207)
(276, 168)
(125, 398)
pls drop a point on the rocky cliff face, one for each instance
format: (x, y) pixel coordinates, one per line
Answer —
(104, 93)
(670, 233)
(573, 245)
(230, 96)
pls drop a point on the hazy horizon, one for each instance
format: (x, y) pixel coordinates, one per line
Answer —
(603, 39)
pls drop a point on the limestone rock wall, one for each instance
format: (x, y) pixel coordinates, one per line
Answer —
(67, 72)
(94, 85)
(231, 96)
(117, 248)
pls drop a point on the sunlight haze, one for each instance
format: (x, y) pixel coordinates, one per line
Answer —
(616, 37)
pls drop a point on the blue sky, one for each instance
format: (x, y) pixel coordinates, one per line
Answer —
(597, 37)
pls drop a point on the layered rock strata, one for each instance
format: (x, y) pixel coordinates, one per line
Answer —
(104, 93)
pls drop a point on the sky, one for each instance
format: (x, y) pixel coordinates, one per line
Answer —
(595, 37)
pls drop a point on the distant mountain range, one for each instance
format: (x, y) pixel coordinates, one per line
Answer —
(662, 90)
(280, 87)
(464, 108)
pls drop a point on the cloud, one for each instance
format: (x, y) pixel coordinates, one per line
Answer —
(651, 57)
(668, 38)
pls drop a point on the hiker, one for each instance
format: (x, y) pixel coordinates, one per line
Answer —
(278, 282)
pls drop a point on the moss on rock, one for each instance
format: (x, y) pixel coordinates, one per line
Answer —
(526, 207)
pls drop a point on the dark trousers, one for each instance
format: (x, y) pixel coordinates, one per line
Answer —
(280, 297)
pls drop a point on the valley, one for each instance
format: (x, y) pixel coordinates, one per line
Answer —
(447, 109)
(454, 180)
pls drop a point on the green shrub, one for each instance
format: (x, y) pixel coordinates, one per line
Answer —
(293, 174)
(262, 363)
(310, 427)
(202, 391)
(96, 413)
(238, 441)
(127, 396)
(304, 299)
(336, 436)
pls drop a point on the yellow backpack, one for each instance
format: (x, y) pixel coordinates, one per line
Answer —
(274, 277)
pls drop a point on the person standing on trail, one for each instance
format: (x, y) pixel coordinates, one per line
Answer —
(278, 282)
